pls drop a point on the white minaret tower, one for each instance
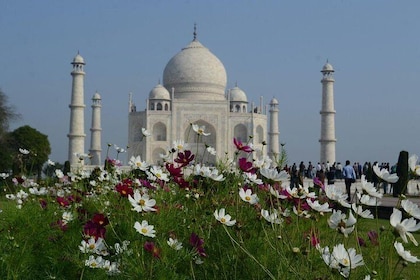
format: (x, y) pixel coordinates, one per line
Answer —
(95, 139)
(273, 135)
(77, 126)
(327, 115)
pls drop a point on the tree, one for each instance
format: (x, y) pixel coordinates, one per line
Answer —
(7, 113)
(37, 145)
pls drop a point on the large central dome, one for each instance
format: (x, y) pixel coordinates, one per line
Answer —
(195, 73)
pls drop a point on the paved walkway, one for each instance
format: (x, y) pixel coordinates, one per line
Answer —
(388, 199)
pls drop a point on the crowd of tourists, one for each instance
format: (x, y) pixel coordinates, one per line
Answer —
(329, 173)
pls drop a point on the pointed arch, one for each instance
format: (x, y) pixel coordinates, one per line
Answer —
(240, 132)
(159, 132)
(156, 159)
(260, 134)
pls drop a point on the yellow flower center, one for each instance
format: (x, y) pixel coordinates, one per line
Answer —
(142, 202)
(144, 230)
(346, 262)
(92, 246)
(223, 220)
(248, 198)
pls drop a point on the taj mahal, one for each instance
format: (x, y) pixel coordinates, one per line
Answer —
(193, 91)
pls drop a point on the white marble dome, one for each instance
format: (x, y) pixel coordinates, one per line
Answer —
(159, 92)
(327, 68)
(96, 96)
(195, 73)
(78, 59)
(237, 94)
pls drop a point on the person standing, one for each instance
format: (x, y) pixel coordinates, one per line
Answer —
(349, 178)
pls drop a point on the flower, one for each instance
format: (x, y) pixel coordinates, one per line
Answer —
(248, 196)
(211, 151)
(124, 188)
(273, 174)
(411, 208)
(252, 178)
(159, 174)
(224, 218)
(406, 255)
(368, 200)
(180, 145)
(200, 129)
(412, 163)
(23, 151)
(369, 188)
(337, 194)
(317, 206)
(145, 132)
(246, 166)
(198, 243)
(50, 162)
(241, 147)
(4, 175)
(184, 158)
(341, 259)
(151, 247)
(142, 202)
(271, 218)
(137, 163)
(360, 212)
(405, 227)
(384, 174)
(339, 222)
(174, 243)
(67, 217)
(93, 262)
(145, 229)
(373, 237)
(92, 246)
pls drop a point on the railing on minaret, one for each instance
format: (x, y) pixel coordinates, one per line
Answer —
(77, 128)
(327, 140)
(96, 130)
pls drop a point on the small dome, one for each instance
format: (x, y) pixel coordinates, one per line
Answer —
(196, 73)
(274, 102)
(96, 96)
(78, 59)
(237, 94)
(159, 92)
(327, 68)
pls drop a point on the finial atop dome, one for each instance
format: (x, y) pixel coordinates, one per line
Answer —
(195, 32)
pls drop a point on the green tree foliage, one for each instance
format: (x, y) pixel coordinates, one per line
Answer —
(26, 137)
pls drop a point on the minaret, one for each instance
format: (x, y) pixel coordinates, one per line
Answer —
(327, 115)
(273, 135)
(95, 139)
(77, 126)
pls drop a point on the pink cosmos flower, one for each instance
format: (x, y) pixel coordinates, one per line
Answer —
(241, 147)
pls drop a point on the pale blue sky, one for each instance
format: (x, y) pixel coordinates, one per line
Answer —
(270, 48)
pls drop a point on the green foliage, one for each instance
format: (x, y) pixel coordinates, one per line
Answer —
(36, 143)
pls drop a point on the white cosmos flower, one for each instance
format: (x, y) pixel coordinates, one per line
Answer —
(158, 173)
(211, 151)
(59, 173)
(272, 218)
(369, 188)
(273, 174)
(360, 212)
(145, 229)
(406, 255)
(384, 174)
(137, 163)
(368, 200)
(341, 259)
(252, 178)
(145, 132)
(277, 194)
(92, 245)
(412, 163)
(411, 208)
(300, 212)
(4, 175)
(224, 218)
(180, 145)
(405, 227)
(67, 217)
(319, 207)
(301, 192)
(248, 196)
(142, 202)
(93, 262)
(50, 162)
(339, 222)
(174, 243)
(23, 151)
(200, 130)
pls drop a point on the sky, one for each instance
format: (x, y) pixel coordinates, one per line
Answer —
(269, 48)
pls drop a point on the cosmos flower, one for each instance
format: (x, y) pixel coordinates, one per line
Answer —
(319, 207)
(137, 163)
(23, 151)
(92, 246)
(360, 212)
(412, 163)
(94, 262)
(200, 130)
(337, 194)
(158, 173)
(184, 158)
(272, 217)
(368, 187)
(142, 202)
(211, 151)
(252, 178)
(411, 208)
(248, 196)
(224, 218)
(145, 132)
(174, 243)
(180, 145)
(339, 222)
(406, 255)
(341, 259)
(368, 200)
(198, 244)
(241, 147)
(145, 229)
(273, 174)
(152, 248)
(405, 227)
(384, 174)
